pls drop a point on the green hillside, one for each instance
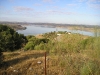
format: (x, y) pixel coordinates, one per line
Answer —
(67, 53)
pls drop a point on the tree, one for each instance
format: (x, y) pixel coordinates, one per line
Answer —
(1, 57)
(10, 39)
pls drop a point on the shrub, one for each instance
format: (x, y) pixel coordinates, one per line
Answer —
(10, 40)
(1, 57)
(40, 46)
(29, 46)
(90, 68)
(91, 43)
(35, 43)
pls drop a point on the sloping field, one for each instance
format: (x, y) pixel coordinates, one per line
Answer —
(28, 63)
(33, 63)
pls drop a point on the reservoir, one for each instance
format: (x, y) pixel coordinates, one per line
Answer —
(34, 30)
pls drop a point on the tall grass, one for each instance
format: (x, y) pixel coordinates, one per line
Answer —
(79, 55)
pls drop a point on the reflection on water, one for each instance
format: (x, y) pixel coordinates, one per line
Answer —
(34, 30)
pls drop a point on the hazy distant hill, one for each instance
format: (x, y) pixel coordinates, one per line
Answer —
(17, 25)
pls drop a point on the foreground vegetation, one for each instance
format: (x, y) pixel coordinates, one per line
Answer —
(67, 54)
(10, 40)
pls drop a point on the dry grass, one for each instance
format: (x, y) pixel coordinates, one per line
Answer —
(39, 36)
(25, 63)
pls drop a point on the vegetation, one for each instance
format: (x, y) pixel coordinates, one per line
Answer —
(10, 40)
(35, 43)
(1, 57)
(67, 54)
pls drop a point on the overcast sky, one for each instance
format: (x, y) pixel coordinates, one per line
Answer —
(51, 11)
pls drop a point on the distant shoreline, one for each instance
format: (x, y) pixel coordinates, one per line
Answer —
(21, 26)
(15, 27)
(89, 29)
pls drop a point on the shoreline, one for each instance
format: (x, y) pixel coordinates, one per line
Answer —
(16, 27)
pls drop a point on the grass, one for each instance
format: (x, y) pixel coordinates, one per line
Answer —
(25, 63)
(73, 54)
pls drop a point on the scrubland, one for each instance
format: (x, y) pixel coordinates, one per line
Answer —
(67, 54)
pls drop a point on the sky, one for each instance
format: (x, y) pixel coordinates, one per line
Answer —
(51, 11)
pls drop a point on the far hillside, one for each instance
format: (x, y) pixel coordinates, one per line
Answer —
(84, 27)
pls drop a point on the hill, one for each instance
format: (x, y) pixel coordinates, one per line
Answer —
(67, 53)
(71, 54)
(17, 26)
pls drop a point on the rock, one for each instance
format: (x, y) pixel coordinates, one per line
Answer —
(15, 71)
(30, 68)
(39, 62)
(11, 67)
(42, 68)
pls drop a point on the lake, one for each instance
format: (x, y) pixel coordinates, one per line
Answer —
(34, 30)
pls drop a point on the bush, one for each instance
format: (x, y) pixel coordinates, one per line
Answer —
(35, 43)
(91, 43)
(90, 68)
(29, 46)
(1, 57)
(10, 40)
(40, 46)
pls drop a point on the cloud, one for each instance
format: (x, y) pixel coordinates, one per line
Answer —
(71, 4)
(89, 1)
(93, 1)
(37, 4)
(81, 0)
(97, 6)
(20, 9)
(2, 7)
(47, 0)
(94, 4)
(50, 1)
(11, 0)
(60, 12)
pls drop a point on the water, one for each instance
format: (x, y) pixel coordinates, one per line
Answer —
(34, 30)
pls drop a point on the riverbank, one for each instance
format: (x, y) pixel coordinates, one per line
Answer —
(16, 27)
(82, 27)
